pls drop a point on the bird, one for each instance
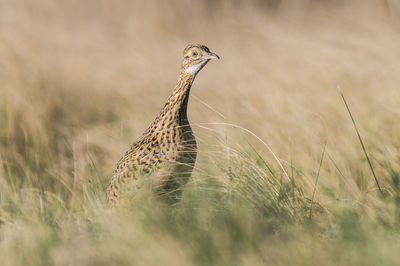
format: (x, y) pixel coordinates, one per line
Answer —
(166, 152)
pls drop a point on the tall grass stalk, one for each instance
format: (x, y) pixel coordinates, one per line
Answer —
(361, 141)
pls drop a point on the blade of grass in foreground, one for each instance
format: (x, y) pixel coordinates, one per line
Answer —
(361, 141)
(316, 179)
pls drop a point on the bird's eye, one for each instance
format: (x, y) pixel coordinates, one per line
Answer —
(194, 53)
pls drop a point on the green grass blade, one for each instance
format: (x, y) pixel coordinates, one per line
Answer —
(361, 142)
(316, 179)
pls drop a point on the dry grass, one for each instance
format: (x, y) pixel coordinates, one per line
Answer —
(80, 80)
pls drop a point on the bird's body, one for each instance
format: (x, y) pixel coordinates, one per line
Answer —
(166, 152)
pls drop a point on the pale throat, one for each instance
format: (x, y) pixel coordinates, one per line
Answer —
(196, 68)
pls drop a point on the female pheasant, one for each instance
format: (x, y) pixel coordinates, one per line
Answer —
(166, 152)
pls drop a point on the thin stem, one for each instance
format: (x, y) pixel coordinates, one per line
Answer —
(361, 142)
(316, 179)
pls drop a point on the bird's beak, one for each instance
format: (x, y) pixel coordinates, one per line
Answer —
(212, 56)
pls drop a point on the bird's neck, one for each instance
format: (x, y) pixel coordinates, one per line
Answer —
(178, 101)
(175, 109)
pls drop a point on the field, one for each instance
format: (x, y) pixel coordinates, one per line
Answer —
(281, 176)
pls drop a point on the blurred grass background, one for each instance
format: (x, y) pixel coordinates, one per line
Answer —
(80, 80)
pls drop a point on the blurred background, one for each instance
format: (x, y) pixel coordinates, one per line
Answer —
(91, 75)
(81, 80)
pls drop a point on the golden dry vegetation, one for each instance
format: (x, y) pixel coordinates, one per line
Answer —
(80, 80)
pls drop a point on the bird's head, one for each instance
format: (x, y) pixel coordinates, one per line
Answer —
(195, 57)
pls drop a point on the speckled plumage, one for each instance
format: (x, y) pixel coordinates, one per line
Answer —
(166, 152)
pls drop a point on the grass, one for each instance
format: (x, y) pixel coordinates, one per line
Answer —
(280, 177)
(362, 143)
